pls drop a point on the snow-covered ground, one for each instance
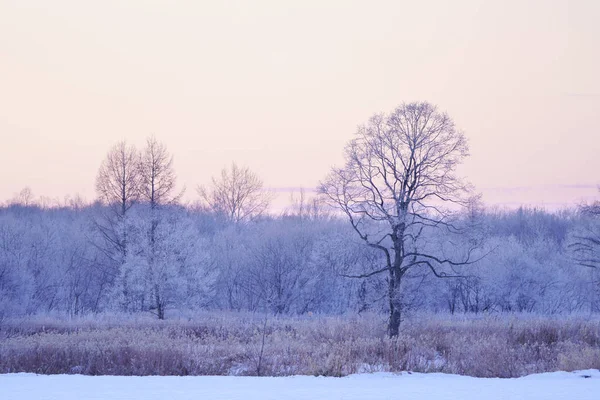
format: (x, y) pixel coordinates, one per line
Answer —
(579, 385)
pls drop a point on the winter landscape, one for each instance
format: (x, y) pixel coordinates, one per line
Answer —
(299, 200)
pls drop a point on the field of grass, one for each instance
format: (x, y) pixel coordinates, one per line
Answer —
(252, 344)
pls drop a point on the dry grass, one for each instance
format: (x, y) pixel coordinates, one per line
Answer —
(230, 344)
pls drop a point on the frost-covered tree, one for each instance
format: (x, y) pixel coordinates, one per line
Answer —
(585, 239)
(47, 263)
(24, 198)
(281, 270)
(118, 179)
(238, 195)
(117, 187)
(584, 246)
(229, 254)
(15, 280)
(337, 254)
(157, 175)
(308, 208)
(168, 269)
(399, 175)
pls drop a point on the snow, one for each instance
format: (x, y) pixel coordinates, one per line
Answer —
(555, 385)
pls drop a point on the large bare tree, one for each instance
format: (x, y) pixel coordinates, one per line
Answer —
(238, 195)
(398, 178)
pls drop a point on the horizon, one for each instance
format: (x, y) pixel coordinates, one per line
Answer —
(507, 198)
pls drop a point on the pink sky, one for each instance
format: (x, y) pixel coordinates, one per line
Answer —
(280, 86)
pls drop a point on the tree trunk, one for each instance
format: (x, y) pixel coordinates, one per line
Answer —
(394, 323)
(395, 281)
(394, 288)
(160, 310)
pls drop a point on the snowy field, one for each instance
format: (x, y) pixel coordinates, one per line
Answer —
(579, 385)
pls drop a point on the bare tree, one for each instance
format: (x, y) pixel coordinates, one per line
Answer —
(399, 173)
(117, 185)
(306, 207)
(590, 209)
(25, 198)
(238, 195)
(157, 176)
(585, 240)
(157, 189)
(586, 247)
(118, 179)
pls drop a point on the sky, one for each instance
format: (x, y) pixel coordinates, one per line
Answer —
(280, 86)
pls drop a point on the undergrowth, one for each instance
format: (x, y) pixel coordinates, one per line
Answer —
(243, 344)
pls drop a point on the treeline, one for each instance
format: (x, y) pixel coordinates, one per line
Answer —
(137, 248)
(178, 258)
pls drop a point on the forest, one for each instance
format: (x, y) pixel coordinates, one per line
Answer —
(139, 248)
(66, 259)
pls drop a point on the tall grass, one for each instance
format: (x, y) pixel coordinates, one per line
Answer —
(243, 344)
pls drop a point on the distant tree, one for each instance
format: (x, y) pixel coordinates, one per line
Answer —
(584, 246)
(157, 192)
(269, 266)
(229, 251)
(16, 285)
(585, 239)
(118, 179)
(47, 263)
(25, 198)
(238, 195)
(157, 175)
(304, 207)
(169, 269)
(399, 174)
(338, 253)
(118, 187)
(591, 209)
(281, 272)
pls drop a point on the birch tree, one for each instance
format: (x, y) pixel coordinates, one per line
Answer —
(118, 187)
(157, 175)
(118, 179)
(157, 190)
